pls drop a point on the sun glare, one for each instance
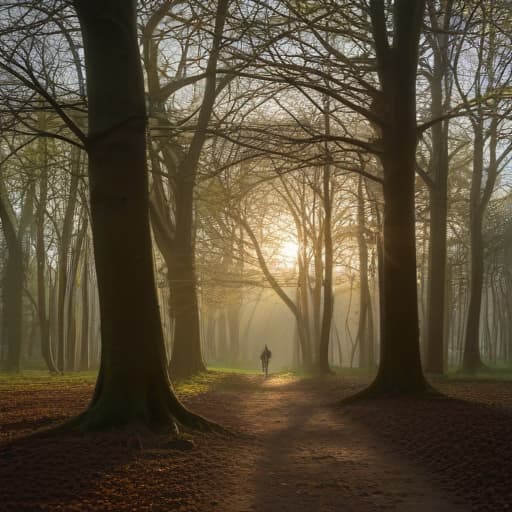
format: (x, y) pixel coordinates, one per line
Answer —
(288, 253)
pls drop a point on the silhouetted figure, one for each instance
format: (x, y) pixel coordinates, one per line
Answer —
(265, 358)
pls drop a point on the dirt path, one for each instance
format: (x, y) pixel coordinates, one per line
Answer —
(294, 450)
(303, 454)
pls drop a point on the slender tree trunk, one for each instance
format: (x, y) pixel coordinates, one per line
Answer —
(65, 244)
(328, 303)
(234, 332)
(472, 361)
(13, 282)
(44, 325)
(210, 336)
(303, 311)
(438, 192)
(364, 290)
(84, 337)
(222, 339)
(186, 358)
(71, 335)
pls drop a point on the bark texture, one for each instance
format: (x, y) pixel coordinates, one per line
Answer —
(133, 386)
(400, 370)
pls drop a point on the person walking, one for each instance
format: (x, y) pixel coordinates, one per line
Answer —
(265, 358)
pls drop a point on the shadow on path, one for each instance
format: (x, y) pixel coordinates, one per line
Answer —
(465, 446)
(311, 456)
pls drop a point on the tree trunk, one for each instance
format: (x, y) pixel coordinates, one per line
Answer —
(71, 335)
(362, 336)
(84, 331)
(400, 370)
(44, 325)
(436, 284)
(328, 303)
(186, 357)
(472, 361)
(133, 386)
(438, 192)
(234, 332)
(65, 244)
(12, 289)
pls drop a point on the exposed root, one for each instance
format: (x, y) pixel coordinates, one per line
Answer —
(191, 421)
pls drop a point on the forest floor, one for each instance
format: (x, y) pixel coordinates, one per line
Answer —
(292, 447)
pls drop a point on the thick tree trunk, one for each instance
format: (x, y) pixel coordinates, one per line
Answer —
(133, 385)
(400, 370)
(400, 365)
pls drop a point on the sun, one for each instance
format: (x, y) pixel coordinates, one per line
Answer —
(288, 252)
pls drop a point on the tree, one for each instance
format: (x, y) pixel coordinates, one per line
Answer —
(13, 280)
(440, 82)
(133, 385)
(174, 231)
(386, 100)
(487, 114)
(400, 368)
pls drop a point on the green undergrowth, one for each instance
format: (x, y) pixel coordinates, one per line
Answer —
(336, 371)
(200, 383)
(33, 379)
(233, 370)
(217, 377)
(493, 373)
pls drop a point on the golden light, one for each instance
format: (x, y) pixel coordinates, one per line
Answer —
(288, 252)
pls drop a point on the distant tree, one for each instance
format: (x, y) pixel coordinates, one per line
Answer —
(173, 219)
(440, 80)
(488, 107)
(13, 280)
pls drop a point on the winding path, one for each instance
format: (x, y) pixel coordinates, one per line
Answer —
(298, 452)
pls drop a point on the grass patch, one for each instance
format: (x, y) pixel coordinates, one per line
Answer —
(32, 380)
(198, 384)
(217, 377)
(494, 374)
(238, 371)
(38, 379)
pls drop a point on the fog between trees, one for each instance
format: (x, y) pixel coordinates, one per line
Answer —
(330, 178)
